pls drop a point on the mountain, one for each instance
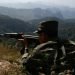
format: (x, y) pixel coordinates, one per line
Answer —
(30, 14)
(36, 10)
(8, 24)
(67, 12)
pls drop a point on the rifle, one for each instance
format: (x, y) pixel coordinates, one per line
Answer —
(12, 35)
(18, 36)
(31, 39)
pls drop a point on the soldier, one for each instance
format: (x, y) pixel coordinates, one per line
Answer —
(45, 54)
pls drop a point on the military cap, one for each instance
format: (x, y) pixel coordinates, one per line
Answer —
(49, 27)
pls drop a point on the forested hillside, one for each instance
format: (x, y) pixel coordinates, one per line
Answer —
(8, 24)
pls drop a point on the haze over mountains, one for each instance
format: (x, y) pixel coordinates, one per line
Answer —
(31, 11)
(28, 5)
(30, 14)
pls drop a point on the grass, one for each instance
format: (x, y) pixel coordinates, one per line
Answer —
(9, 61)
(9, 54)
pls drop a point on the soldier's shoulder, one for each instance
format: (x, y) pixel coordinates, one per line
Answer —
(69, 42)
(45, 45)
(72, 42)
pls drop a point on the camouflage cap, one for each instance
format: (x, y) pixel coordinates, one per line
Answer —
(49, 27)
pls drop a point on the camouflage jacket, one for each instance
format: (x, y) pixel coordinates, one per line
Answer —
(44, 55)
(47, 54)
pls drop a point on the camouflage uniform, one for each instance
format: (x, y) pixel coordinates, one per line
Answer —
(42, 58)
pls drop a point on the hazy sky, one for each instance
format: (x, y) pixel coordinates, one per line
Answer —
(70, 3)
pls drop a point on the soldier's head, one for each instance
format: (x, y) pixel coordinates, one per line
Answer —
(47, 30)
